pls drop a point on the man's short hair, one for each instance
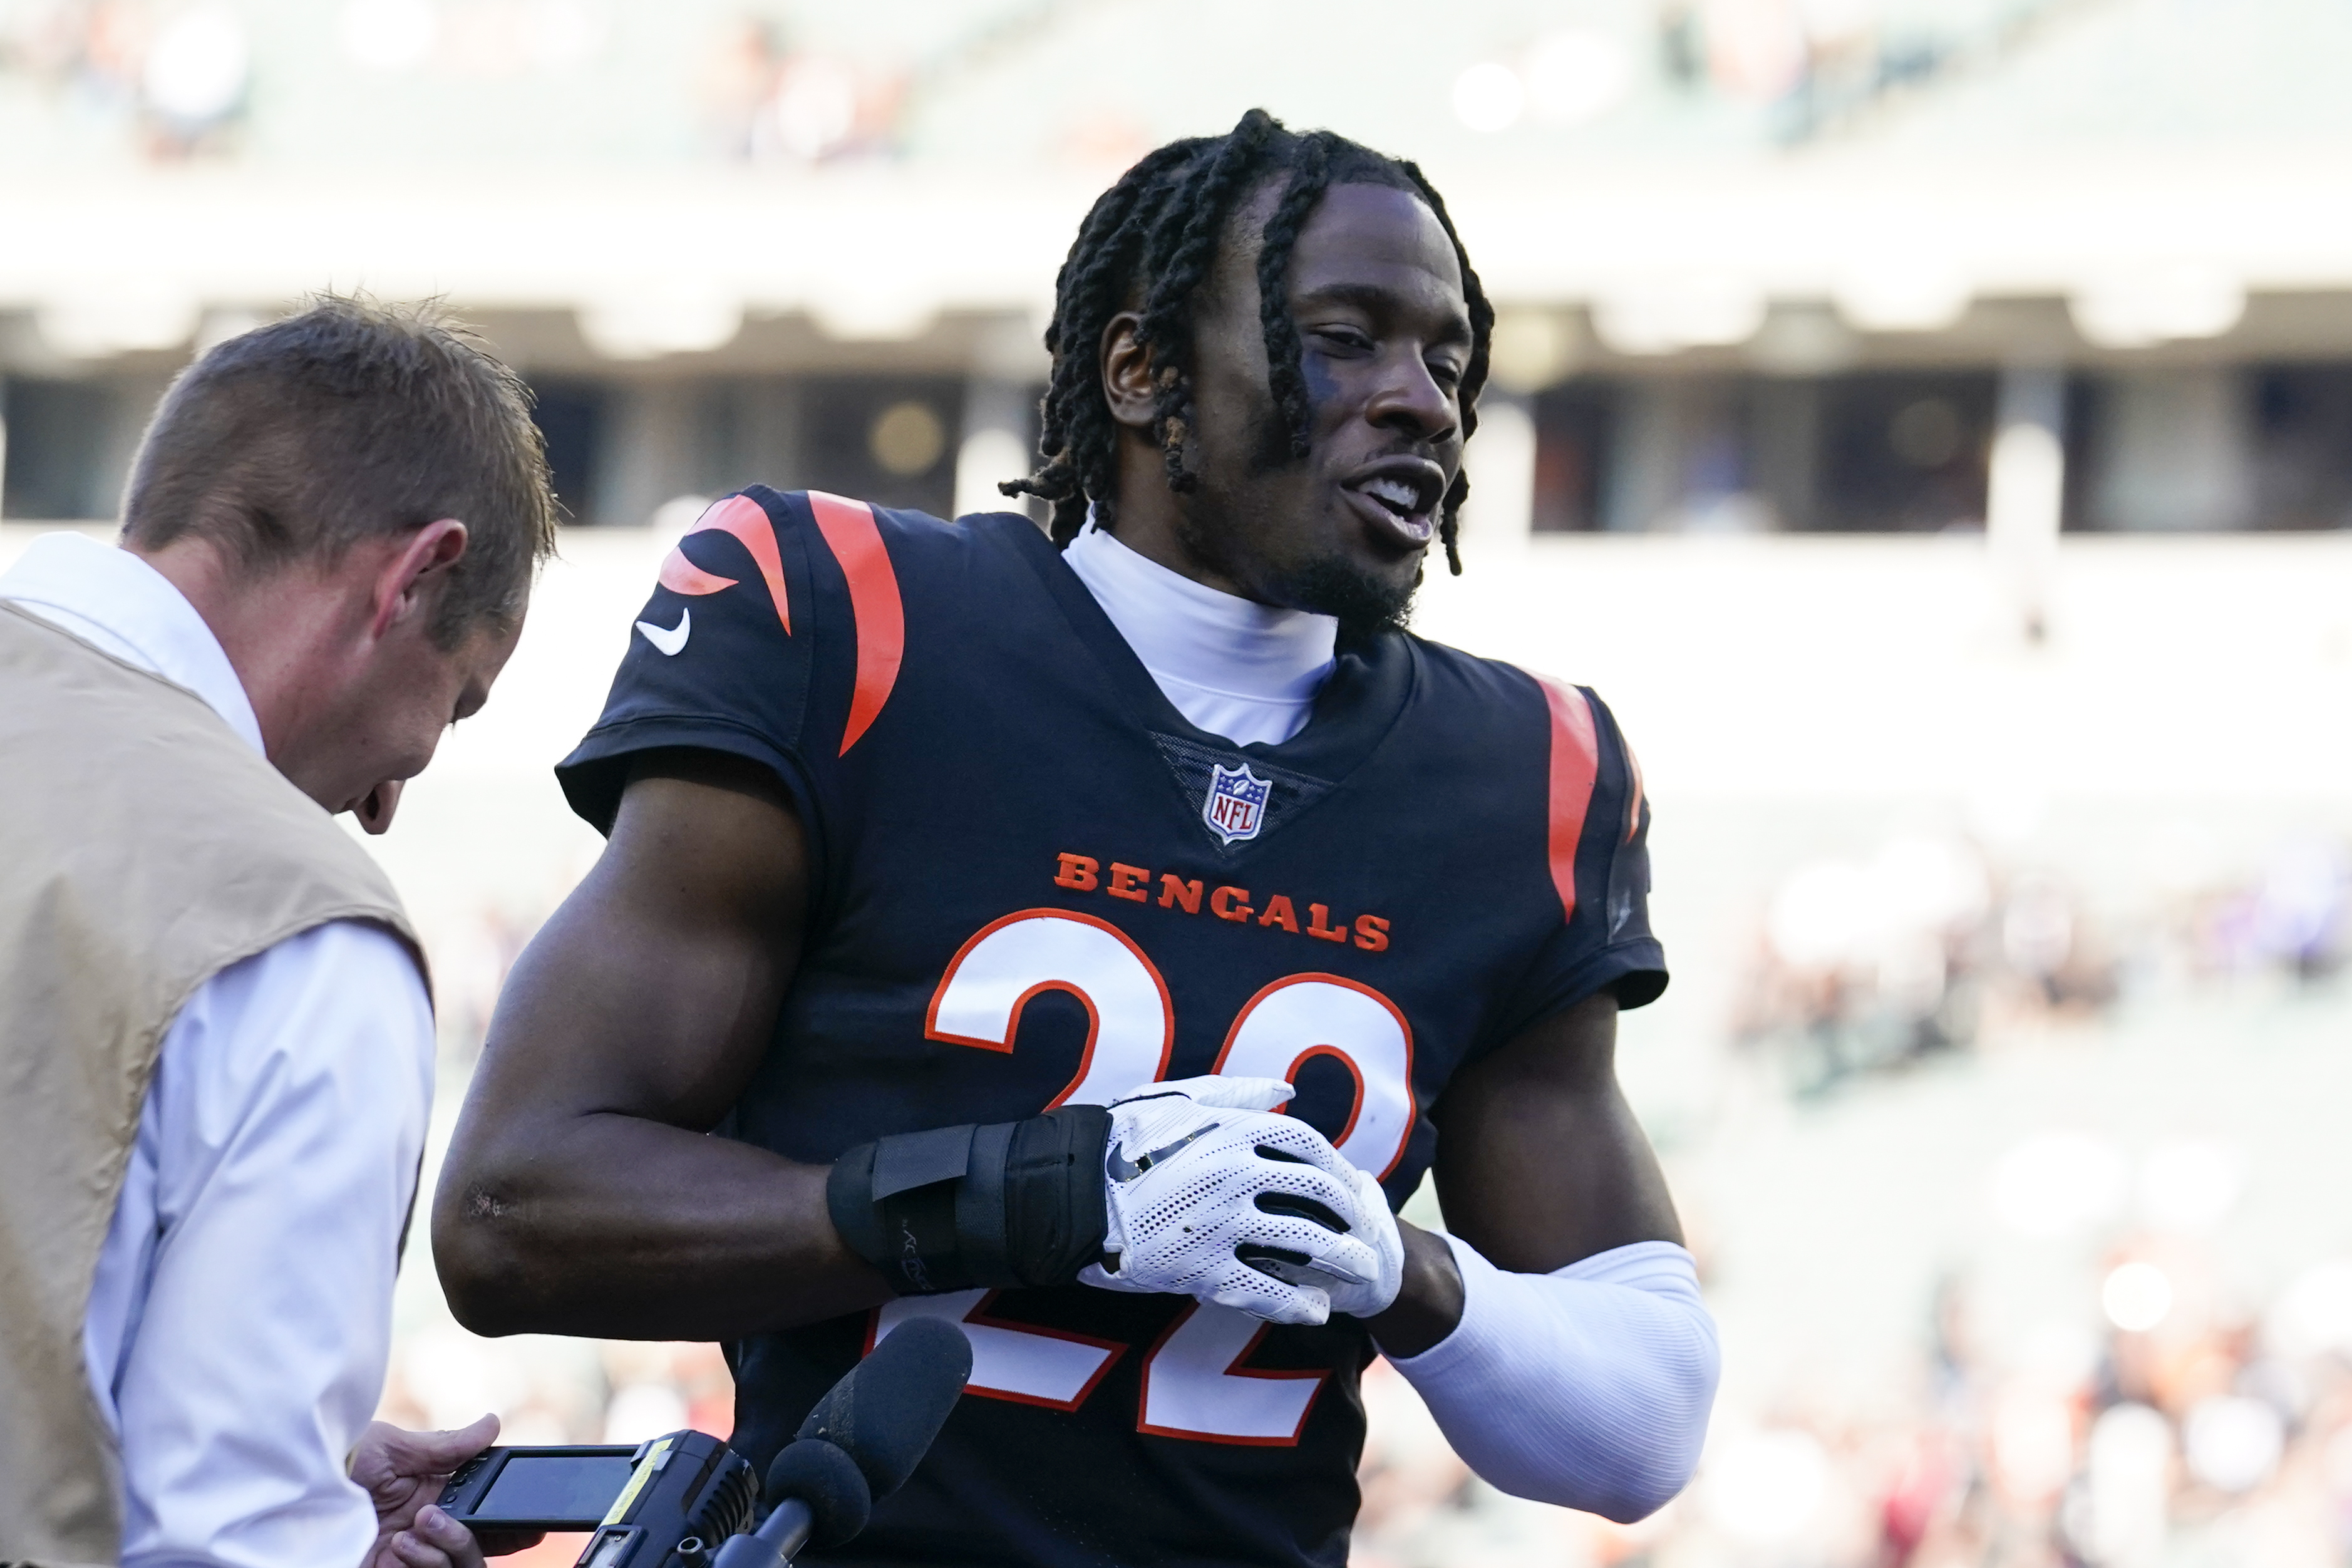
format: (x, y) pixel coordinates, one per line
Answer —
(351, 420)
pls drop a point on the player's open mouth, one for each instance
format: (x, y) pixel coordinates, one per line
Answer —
(1400, 497)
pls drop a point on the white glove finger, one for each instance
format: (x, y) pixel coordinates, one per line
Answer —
(1145, 1093)
(1374, 1295)
(1213, 1089)
(1311, 1276)
(1236, 1093)
(1275, 1300)
(1340, 1270)
(1155, 1104)
(1275, 1185)
(1254, 1208)
(1348, 1260)
(1289, 1136)
(1295, 1275)
(1382, 1230)
(1341, 1257)
(1167, 1133)
(1360, 1301)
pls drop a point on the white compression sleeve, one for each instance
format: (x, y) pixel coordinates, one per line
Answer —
(1589, 1387)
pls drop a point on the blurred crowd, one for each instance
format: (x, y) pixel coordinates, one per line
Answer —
(2169, 1421)
(767, 101)
(1867, 966)
(1816, 65)
(778, 82)
(2172, 1417)
(2193, 1430)
(178, 73)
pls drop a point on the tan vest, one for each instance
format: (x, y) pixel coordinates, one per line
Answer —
(143, 848)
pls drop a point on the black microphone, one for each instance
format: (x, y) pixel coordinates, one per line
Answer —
(859, 1445)
(890, 1406)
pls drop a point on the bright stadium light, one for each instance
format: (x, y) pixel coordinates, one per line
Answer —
(2190, 1184)
(986, 459)
(2316, 1314)
(652, 322)
(2055, 1182)
(119, 317)
(2137, 1296)
(1764, 1486)
(197, 66)
(1903, 293)
(1489, 97)
(562, 34)
(2033, 1440)
(1692, 310)
(815, 106)
(871, 309)
(2158, 304)
(1577, 76)
(2233, 1443)
(2126, 1487)
(389, 35)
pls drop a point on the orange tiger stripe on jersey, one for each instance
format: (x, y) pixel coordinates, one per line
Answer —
(879, 619)
(740, 516)
(1575, 764)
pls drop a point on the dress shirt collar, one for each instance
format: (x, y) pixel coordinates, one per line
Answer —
(113, 598)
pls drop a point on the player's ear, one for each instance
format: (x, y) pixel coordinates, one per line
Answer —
(1127, 370)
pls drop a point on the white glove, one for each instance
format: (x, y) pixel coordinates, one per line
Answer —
(1375, 1223)
(1188, 1167)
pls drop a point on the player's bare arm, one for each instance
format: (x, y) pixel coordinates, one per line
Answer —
(582, 1195)
(1539, 1163)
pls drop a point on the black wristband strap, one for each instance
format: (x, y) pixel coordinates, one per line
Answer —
(1000, 1206)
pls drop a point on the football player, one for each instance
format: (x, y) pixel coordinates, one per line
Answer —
(975, 895)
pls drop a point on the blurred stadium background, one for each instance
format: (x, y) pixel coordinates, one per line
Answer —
(1928, 421)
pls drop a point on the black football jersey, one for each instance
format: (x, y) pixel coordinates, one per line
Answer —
(1033, 882)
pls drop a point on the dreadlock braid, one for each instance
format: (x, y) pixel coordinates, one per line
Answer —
(1309, 181)
(1155, 234)
(1078, 439)
(1180, 256)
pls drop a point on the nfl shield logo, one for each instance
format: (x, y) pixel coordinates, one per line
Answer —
(1236, 805)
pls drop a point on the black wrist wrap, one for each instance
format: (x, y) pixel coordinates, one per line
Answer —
(1006, 1205)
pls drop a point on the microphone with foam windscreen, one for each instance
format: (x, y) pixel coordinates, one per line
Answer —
(859, 1445)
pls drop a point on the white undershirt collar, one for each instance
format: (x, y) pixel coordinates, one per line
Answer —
(114, 599)
(1234, 668)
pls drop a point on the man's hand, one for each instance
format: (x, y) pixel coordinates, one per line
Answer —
(1212, 1196)
(403, 1473)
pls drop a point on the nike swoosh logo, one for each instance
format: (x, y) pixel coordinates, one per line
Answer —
(670, 639)
(1123, 1169)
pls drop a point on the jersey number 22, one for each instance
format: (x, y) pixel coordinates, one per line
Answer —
(1194, 1382)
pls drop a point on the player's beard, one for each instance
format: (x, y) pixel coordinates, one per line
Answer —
(1212, 528)
(1329, 585)
(1364, 606)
